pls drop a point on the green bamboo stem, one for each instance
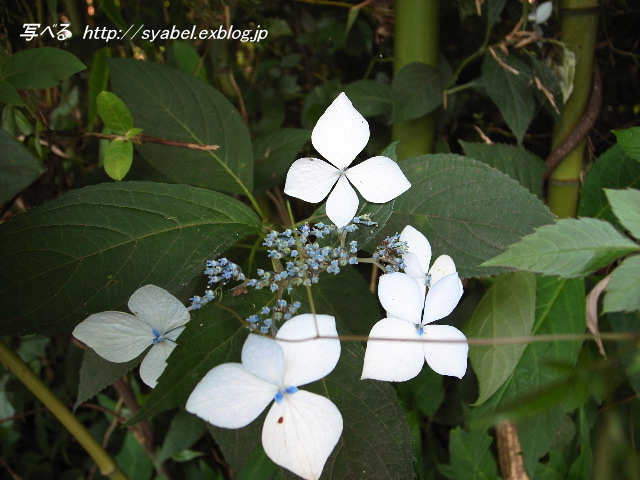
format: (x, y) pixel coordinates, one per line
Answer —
(579, 29)
(105, 463)
(416, 40)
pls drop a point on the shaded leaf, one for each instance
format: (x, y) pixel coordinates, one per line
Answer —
(470, 457)
(9, 94)
(42, 67)
(623, 291)
(613, 169)
(569, 248)
(18, 167)
(506, 311)
(510, 91)
(626, 206)
(171, 104)
(629, 140)
(275, 152)
(513, 160)
(369, 97)
(184, 431)
(466, 209)
(90, 249)
(416, 91)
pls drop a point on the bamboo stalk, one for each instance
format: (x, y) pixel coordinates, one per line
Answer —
(579, 29)
(416, 40)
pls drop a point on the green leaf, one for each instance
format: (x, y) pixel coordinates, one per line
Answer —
(570, 248)
(470, 458)
(275, 152)
(42, 67)
(466, 209)
(118, 157)
(493, 9)
(613, 169)
(623, 290)
(98, 82)
(133, 459)
(629, 140)
(114, 113)
(626, 206)
(369, 97)
(511, 92)
(513, 160)
(416, 91)
(184, 431)
(9, 95)
(551, 97)
(185, 57)
(96, 374)
(90, 249)
(171, 104)
(507, 310)
(18, 167)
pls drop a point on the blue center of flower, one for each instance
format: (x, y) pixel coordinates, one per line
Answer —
(158, 338)
(280, 394)
(427, 280)
(419, 330)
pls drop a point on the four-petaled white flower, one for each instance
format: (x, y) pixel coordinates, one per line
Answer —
(301, 428)
(158, 318)
(340, 134)
(409, 315)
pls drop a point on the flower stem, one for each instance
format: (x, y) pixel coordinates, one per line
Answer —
(105, 463)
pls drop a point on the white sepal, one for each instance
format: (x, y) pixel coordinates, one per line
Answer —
(158, 308)
(300, 433)
(542, 13)
(442, 298)
(155, 361)
(229, 396)
(263, 357)
(418, 245)
(393, 360)
(379, 179)
(310, 179)
(447, 358)
(400, 296)
(442, 266)
(342, 203)
(115, 336)
(311, 360)
(341, 132)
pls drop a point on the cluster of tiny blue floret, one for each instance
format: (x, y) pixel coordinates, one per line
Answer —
(301, 260)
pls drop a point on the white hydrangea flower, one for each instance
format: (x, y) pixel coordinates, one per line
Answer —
(301, 428)
(158, 319)
(409, 316)
(340, 134)
(418, 257)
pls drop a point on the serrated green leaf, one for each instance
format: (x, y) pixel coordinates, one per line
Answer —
(623, 291)
(551, 97)
(513, 160)
(613, 169)
(18, 167)
(90, 249)
(507, 310)
(570, 248)
(511, 92)
(114, 113)
(171, 104)
(275, 152)
(96, 374)
(629, 140)
(42, 67)
(118, 157)
(626, 206)
(466, 209)
(470, 458)
(416, 91)
(369, 97)
(98, 82)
